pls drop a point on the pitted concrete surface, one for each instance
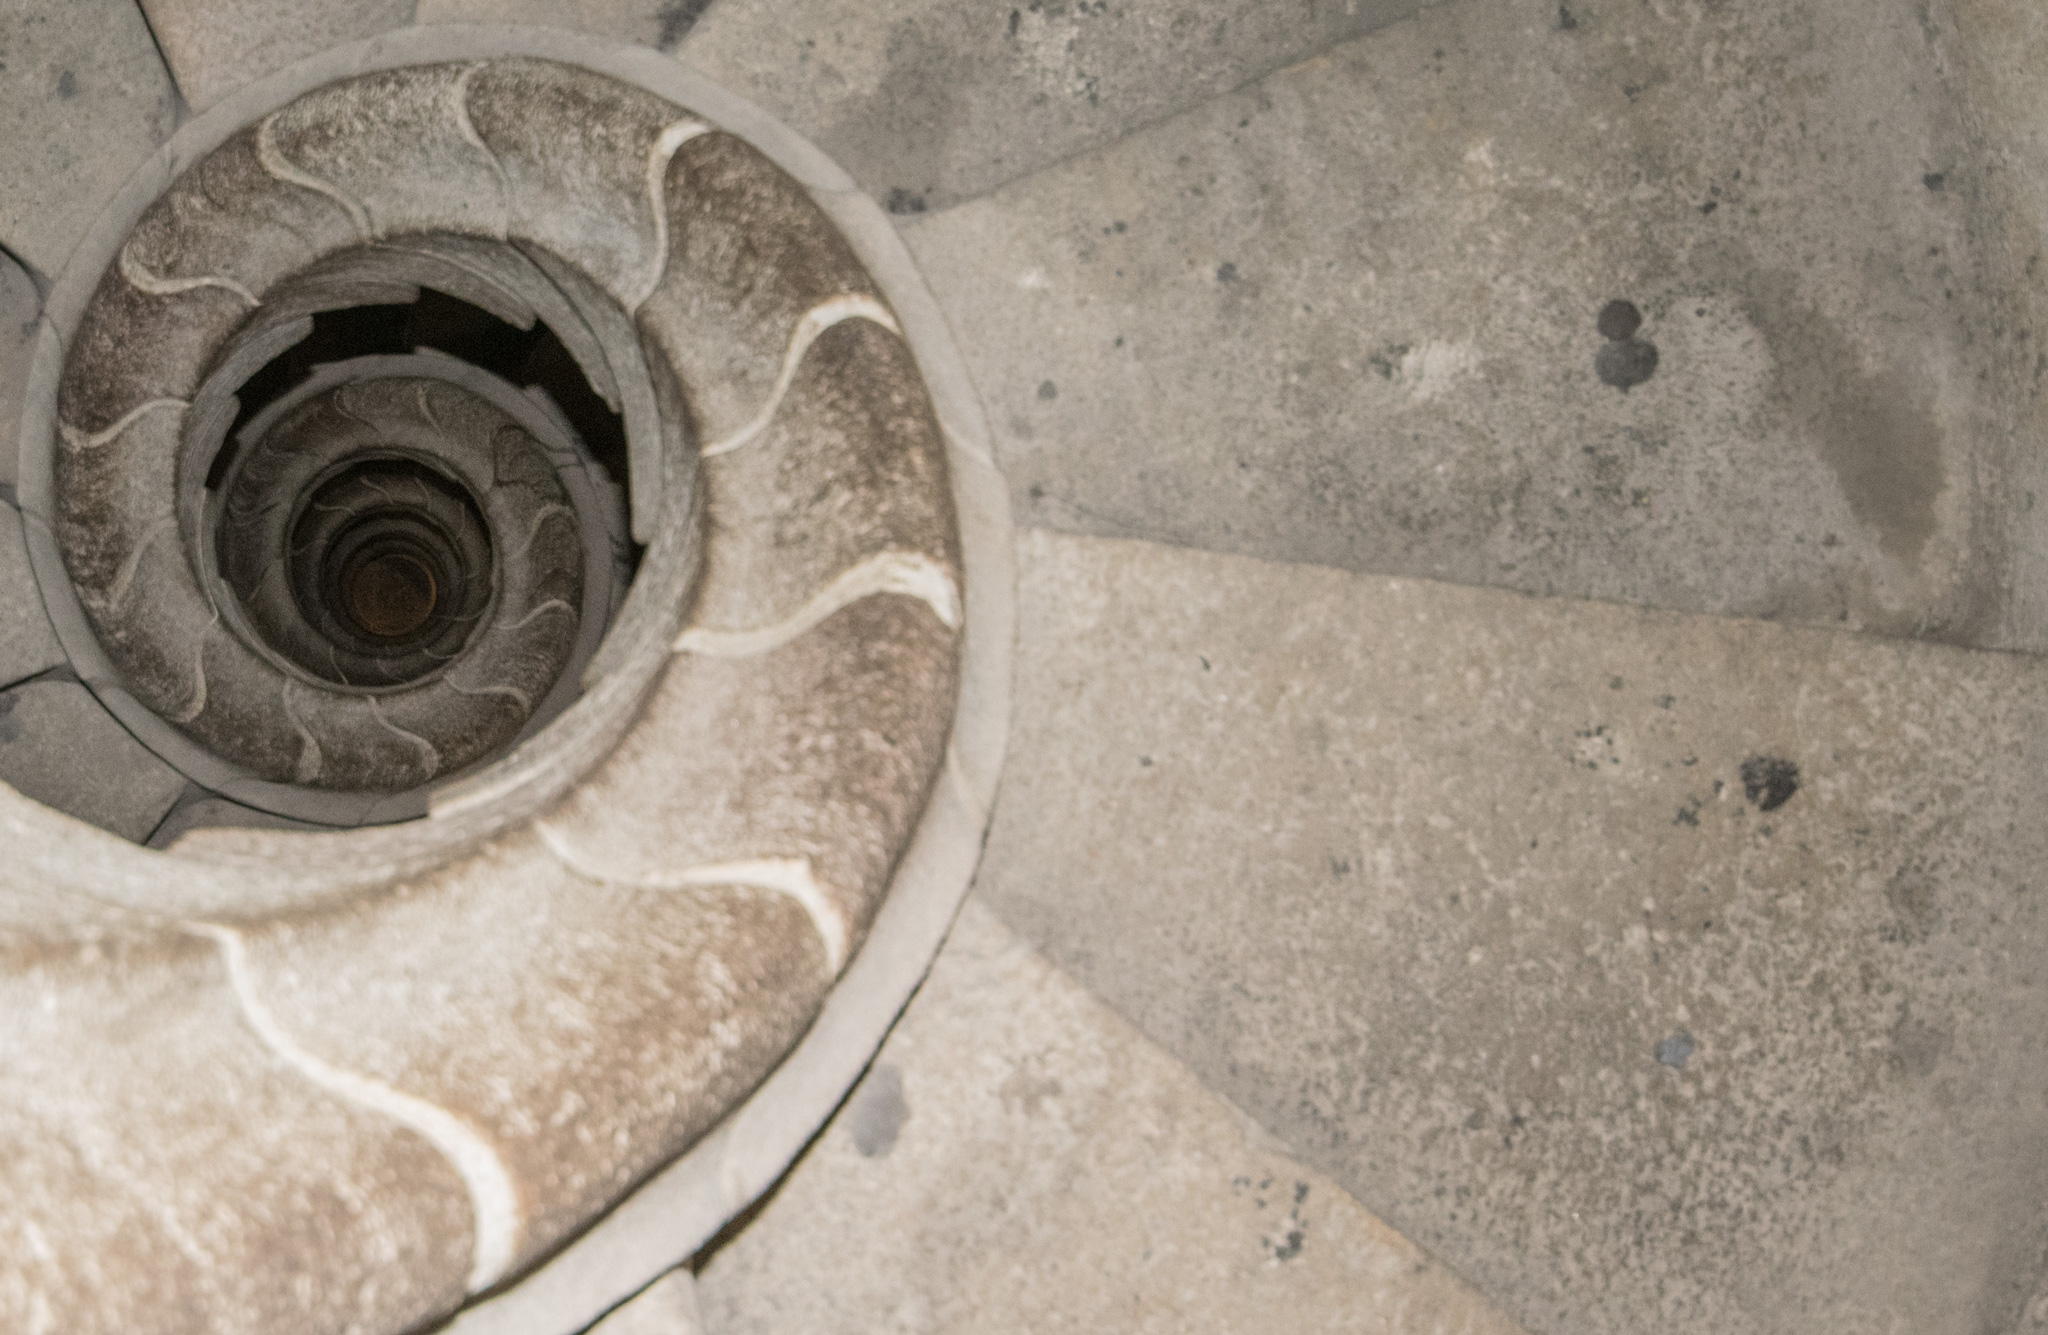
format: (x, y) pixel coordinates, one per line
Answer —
(1656, 972)
(1019, 1159)
(1352, 315)
(86, 98)
(928, 102)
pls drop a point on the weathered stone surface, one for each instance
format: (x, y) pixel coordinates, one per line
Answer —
(820, 751)
(928, 102)
(751, 255)
(216, 46)
(1019, 1159)
(584, 1032)
(19, 306)
(648, 22)
(165, 1171)
(851, 466)
(58, 746)
(1350, 315)
(27, 645)
(1657, 972)
(86, 99)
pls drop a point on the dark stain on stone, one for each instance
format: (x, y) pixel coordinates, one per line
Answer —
(1935, 181)
(1676, 1050)
(1016, 21)
(1876, 431)
(1619, 320)
(1769, 782)
(900, 200)
(1047, 391)
(678, 17)
(1626, 361)
(10, 726)
(1689, 814)
(878, 1112)
(1565, 21)
(1226, 272)
(67, 85)
(1911, 894)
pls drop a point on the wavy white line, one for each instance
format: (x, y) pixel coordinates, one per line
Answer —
(519, 697)
(198, 705)
(853, 306)
(466, 127)
(494, 1201)
(310, 762)
(906, 574)
(784, 876)
(274, 162)
(156, 285)
(79, 440)
(428, 752)
(672, 138)
(551, 605)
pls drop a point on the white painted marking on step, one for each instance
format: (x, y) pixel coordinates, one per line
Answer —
(78, 440)
(658, 157)
(310, 762)
(156, 285)
(132, 566)
(274, 162)
(198, 705)
(816, 321)
(519, 697)
(428, 753)
(906, 574)
(551, 605)
(551, 510)
(784, 876)
(464, 126)
(494, 1202)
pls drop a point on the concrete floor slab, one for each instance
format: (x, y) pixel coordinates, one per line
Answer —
(1658, 972)
(927, 102)
(1723, 308)
(87, 98)
(58, 746)
(1019, 1159)
(648, 22)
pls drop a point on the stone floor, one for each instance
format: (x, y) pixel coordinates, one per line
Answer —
(1525, 804)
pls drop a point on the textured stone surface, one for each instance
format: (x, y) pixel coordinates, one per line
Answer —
(927, 102)
(19, 306)
(27, 645)
(183, 1179)
(1351, 315)
(1019, 1159)
(648, 22)
(58, 746)
(86, 97)
(216, 46)
(1657, 972)
(585, 1032)
(821, 751)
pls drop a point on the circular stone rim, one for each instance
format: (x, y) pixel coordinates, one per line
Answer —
(668, 1218)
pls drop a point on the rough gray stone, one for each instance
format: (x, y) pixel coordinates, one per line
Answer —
(927, 102)
(1350, 315)
(1429, 880)
(1049, 1169)
(27, 644)
(86, 98)
(216, 46)
(58, 746)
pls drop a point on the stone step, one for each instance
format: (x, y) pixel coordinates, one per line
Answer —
(1729, 311)
(1657, 972)
(1019, 1158)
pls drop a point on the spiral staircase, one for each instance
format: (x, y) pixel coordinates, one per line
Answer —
(720, 666)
